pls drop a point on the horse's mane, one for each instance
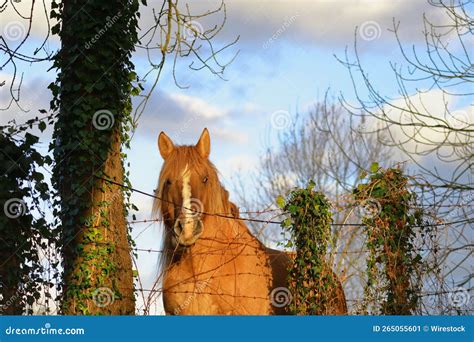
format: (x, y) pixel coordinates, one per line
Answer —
(214, 197)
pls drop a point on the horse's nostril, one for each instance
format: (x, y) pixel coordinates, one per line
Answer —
(197, 227)
(178, 227)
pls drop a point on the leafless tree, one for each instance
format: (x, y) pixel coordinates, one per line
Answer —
(319, 146)
(436, 140)
(13, 41)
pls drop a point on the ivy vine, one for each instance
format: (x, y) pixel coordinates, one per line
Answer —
(390, 214)
(309, 223)
(92, 95)
(23, 229)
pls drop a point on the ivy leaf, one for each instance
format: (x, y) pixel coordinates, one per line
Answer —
(132, 76)
(42, 126)
(37, 176)
(30, 300)
(31, 139)
(374, 167)
(55, 29)
(280, 201)
(363, 174)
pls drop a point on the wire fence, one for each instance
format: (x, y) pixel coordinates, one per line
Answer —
(249, 219)
(150, 296)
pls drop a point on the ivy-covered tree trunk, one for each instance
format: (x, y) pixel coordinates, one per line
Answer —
(315, 288)
(92, 94)
(390, 212)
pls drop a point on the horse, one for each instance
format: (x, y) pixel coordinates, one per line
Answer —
(212, 263)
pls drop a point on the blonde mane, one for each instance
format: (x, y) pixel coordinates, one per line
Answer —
(214, 197)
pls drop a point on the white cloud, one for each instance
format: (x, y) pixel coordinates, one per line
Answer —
(330, 23)
(183, 117)
(34, 95)
(434, 108)
(239, 137)
(429, 147)
(15, 24)
(243, 162)
(197, 106)
(282, 181)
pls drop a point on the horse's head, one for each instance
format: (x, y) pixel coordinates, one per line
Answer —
(188, 186)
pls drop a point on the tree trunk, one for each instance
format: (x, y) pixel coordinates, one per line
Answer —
(109, 272)
(92, 93)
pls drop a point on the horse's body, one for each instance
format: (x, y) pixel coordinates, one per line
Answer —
(213, 265)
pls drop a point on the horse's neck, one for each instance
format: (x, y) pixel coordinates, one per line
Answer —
(228, 231)
(221, 239)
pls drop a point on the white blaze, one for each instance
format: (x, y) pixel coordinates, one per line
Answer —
(186, 175)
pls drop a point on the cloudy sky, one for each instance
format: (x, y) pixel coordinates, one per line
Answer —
(285, 63)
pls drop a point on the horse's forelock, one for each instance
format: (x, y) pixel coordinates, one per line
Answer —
(215, 199)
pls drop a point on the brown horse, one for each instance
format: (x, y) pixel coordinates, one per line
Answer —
(212, 264)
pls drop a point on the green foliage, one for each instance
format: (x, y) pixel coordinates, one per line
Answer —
(309, 223)
(92, 97)
(389, 215)
(23, 193)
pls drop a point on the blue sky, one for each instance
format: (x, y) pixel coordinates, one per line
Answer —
(289, 73)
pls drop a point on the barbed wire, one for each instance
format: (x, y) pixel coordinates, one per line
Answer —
(278, 252)
(248, 219)
(157, 291)
(421, 294)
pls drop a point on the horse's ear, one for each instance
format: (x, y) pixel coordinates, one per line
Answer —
(165, 145)
(204, 144)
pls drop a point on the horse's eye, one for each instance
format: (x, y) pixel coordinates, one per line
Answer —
(168, 182)
(205, 179)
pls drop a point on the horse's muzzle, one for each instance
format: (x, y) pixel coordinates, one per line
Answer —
(187, 231)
